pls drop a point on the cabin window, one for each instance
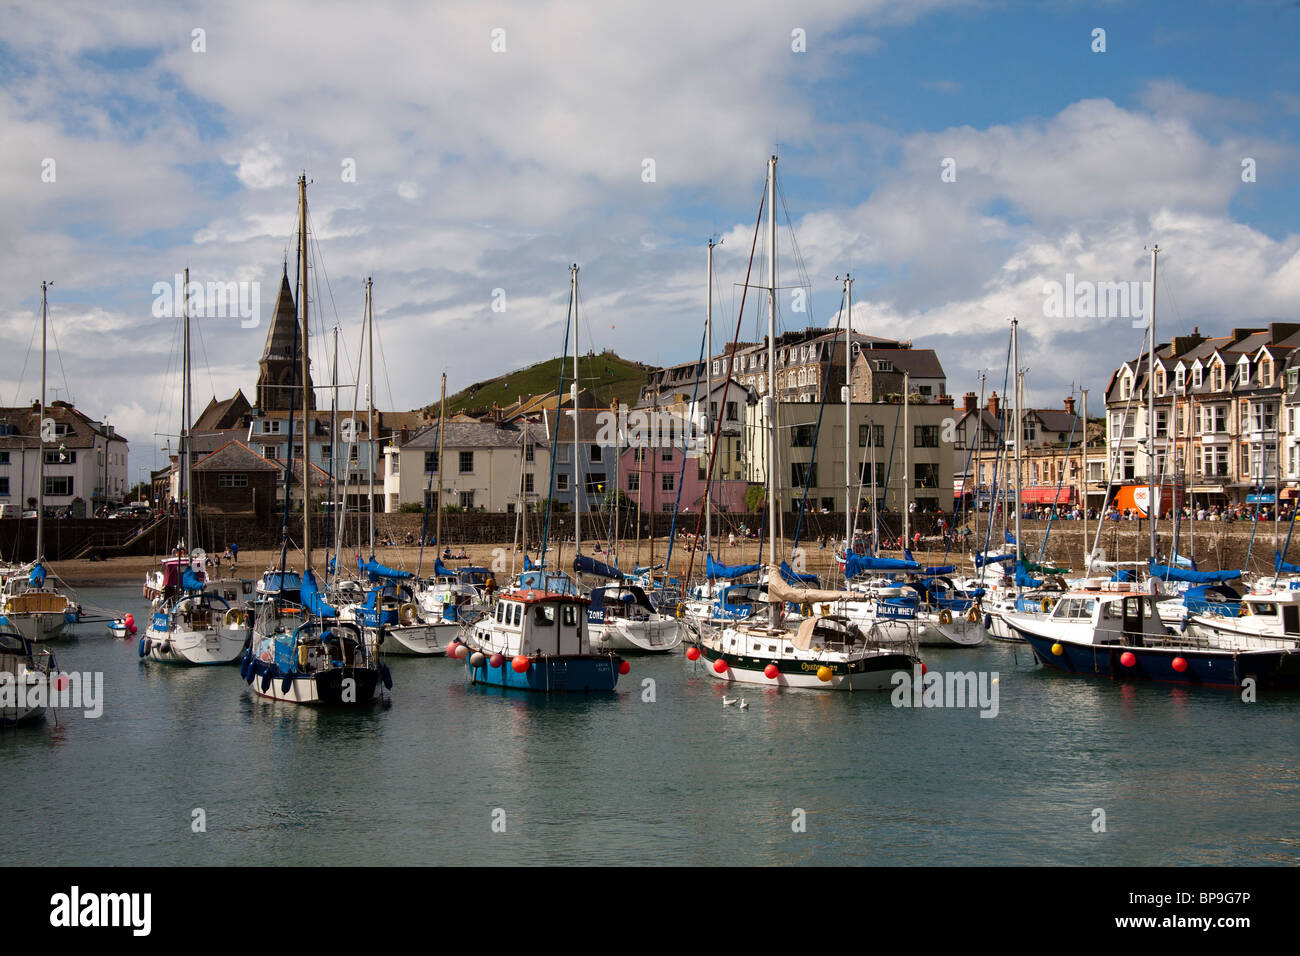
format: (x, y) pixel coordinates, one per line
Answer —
(1264, 609)
(544, 615)
(570, 615)
(501, 612)
(519, 614)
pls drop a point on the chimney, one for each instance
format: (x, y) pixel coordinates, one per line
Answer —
(405, 435)
(995, 406)
(969, 402)
(1069, 404)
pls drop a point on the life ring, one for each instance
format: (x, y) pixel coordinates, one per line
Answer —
(1046, 605)
(234, 617)
(945, 616)
(409, 614)
(972, 615)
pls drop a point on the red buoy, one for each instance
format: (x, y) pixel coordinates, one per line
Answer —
(129, 620)
(923, 668)
(451, 649)
(720, 666)
(520, 663)
(771, 672)
(1180, 664)
(624, 667)
(496, 660)
(692, 653)
(1128, 659)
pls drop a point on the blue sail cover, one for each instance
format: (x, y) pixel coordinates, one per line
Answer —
(942, 569)
(1011, 539)
(855, 564)
(983, 559)
(528, 563)
(586, 565)
(191, 580)
(1279, 566)
(37, 578)
(441, 569)
(377, 570)
(716, 569)
(1184, 562)
(1123, 574)
(311, 598)
(792, 578)
(1023, 579)
(1166, 573)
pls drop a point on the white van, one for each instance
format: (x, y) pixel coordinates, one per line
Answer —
(9, 510)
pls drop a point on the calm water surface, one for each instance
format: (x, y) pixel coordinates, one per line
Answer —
(1184, 777)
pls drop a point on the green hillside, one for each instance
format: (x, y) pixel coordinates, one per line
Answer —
(606, 376)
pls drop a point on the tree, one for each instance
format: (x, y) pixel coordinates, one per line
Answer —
(755, 498)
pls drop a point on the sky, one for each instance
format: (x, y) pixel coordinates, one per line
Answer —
(957, 158)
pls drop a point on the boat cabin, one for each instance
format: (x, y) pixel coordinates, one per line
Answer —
(1112, 613)
(623, 601)
(534, 623)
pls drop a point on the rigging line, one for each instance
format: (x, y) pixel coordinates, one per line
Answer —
(731, 371)
(18, 388)
(203, 344)
(555, 440)
(58, 353)
(826, 388)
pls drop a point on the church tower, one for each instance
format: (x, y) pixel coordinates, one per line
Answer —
(277, 374)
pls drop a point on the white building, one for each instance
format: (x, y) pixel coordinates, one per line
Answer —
(85, 464)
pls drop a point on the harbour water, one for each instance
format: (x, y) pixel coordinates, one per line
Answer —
(1183, 776)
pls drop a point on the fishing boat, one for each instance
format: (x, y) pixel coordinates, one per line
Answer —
(538, 640)
(1109, 629)
(25, 679)
(620, 617)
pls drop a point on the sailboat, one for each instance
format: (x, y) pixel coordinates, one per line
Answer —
(189, 624)
(825, 652)
(30, 602)
(309, 656)
(25, 683)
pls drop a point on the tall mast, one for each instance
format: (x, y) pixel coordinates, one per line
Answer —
(187, 477)
(1018, 427)
(1153, 509)
(40, 432)
(771, 377)
(708, 391)
(370, 407)
(334, 449)
(573, 390)
(1083, 483)
(306, 387)
(442, 420)
(907, 459)
(848, 408)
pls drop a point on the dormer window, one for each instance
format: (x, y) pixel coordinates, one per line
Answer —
(1196, 377)
(1243, 373)
(1180, 378)
(1160, 381)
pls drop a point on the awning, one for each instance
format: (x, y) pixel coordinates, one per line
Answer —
(1047, 496)
(1290, 492)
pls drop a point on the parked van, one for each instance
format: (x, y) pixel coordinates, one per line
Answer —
(9, 510)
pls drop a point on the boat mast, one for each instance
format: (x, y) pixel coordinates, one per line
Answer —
(370, 407)
(771, 379)
(708, 391)
(848, 410)
(187, 478)
(573, 390)
(334, 449)
(306, 387)
(1018, 427)
(907, 461)
(1153, 509)
(442, 420)
(40, 433)
(1083, 474)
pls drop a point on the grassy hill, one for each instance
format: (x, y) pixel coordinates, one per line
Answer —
(606, 376)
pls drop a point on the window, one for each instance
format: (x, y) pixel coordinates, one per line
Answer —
(544, 615)
(467, 499)
(666, 454)
(802, 436)
(1263, 418)
(58, 487)
(467, 463)
(926, 475)
(634, 482)
(562, 482)
(927, 436)
(864, 473)
(595, 453)
(4, 487)
(430, 462)
(1160, 381)
(4, 457)
(1214, 418)
(668, 482)
(595, 484)
(528, 453)
(1243, 372)
(56, 456)
(354, 452)
(638, 455)
(876, 433)
(803, 472)
(528, 484)
(1214, 462)
(232, 481)
(1180, 378)
(1196, 377)
(1162, 423)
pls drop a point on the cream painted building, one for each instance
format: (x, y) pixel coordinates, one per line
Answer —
(480, 467)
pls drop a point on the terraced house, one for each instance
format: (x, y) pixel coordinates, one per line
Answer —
(1220, 429)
